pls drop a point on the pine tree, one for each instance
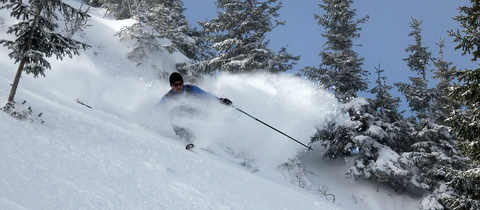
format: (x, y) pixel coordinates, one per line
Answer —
(432, 148)
(383, 141)
(157, 21)
(405, 156)
(338, 139)
(238, 36)
(444, 72)
(341, 68)
(145, 42)
(36, 36)
(418, 95)
(465, 183)
(341, 72)
(167, 19)
(119, 9)
(388, 119)
(379, 163)
(466, 121)
(384, 102)
(433, 151)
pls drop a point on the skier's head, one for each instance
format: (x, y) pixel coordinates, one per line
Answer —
(175, 77)
(176, 81)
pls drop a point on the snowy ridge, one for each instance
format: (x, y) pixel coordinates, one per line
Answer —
(120, 154)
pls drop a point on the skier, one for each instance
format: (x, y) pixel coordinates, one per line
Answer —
(179, 90)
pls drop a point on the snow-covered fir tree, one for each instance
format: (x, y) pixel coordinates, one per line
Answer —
(432, 148)
(383, 140)
(238, 37)
(418, 95)
(167, 19)
(384, 102)
(388, 118)
(466, 121)
(145, 41)
(408, 157)
(119, 9)
(405, 154)
(37, 37)
(160, 26)
(466, 195)
(74, 24)
(341, 71)
(341, 68)
(378, 163)
(433, 151)
(444, 72)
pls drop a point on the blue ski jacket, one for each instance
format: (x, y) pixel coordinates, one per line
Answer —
(188, 90)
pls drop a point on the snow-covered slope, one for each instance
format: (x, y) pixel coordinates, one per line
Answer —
(122, 154)
(91, 160)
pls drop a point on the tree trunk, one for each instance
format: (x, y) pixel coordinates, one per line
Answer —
(13, 91)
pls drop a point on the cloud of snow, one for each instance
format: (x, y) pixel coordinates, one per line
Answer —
(286, 102)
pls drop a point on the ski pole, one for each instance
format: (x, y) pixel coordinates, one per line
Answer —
(309, 147)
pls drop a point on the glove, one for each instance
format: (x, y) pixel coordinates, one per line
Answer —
(225, 101)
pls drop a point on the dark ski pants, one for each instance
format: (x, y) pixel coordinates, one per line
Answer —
(183, 134)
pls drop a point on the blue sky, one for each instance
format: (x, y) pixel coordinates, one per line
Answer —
(384, 36)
